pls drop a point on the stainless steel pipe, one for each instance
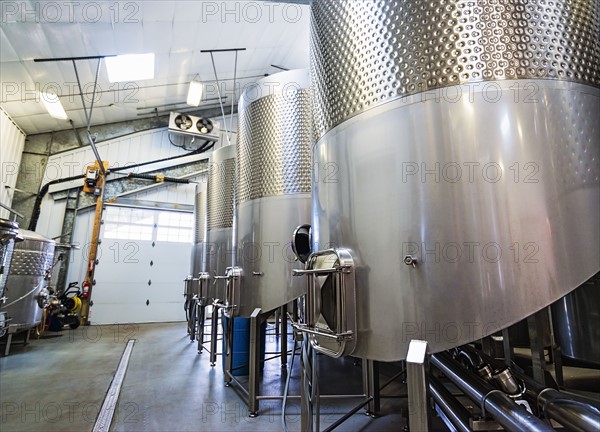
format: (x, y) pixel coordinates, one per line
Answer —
(454, 411)
(505, 411)
(576, 415)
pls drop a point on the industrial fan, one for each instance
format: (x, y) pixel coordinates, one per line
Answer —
(204, 126)
(183, 122)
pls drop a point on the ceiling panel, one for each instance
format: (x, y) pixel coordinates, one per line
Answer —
(176, 31)
(158, 11)
(28, 39)
(99, 38)
(7, 53)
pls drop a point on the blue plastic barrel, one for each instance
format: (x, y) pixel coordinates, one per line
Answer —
(240, 361)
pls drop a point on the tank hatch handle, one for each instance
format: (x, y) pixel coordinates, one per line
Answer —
(330, 321)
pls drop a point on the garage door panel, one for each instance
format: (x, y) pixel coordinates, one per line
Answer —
(140, 280)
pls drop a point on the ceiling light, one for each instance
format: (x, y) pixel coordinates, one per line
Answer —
(53, 105)
(195, 93)
(130, 67)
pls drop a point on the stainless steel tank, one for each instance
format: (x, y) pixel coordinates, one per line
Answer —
(8, 232)
(273, 195)
(27, 280)
(576, 319)
(464, 146)
(221, 201)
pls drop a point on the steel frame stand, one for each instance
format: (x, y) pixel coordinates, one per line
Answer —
(310, 397)
(251, 394)
(214, 334)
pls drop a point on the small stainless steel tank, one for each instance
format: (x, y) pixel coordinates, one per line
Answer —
(466, 150)
(8, 232)
(27, 280)
(273, 195)
(221, 199)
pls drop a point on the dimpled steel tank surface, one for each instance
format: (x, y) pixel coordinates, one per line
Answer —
(221, 196)
(273, 196)
(466, 142)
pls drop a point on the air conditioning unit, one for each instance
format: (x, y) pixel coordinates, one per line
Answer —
(198, 127)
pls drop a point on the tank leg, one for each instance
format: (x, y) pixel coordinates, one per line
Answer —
(214, 330)
(200, 325)
(284, 337)
(255, 320)
(228, 350)
(371, 386)
(8, 342)
(508, 351)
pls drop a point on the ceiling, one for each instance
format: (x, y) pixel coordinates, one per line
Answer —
(176, 31)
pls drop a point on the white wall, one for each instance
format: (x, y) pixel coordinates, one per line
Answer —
(12, 141)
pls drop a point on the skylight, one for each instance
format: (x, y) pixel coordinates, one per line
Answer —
(130, 67)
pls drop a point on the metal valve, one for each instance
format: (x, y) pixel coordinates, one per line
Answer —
(410, 261)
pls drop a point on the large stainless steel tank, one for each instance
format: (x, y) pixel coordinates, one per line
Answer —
(8, 232)
(27, 280)
(273, 195)
(221, 200)
(465, 144)
(576, 319)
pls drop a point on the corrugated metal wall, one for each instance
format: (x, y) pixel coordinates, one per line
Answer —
(12, 140)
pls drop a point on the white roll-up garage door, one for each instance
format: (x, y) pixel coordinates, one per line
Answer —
(144, 257)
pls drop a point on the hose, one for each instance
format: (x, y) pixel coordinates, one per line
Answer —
(158, 178)
(23, 296)
(39, 330)
(310, 387)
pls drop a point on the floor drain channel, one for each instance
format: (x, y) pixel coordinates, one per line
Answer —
(107, 411)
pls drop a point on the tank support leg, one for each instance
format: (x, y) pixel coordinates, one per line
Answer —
(201, 316)
(228, 349)
(255, 321)
(371, 386)
(309, 389)
(8, 342)
(284, 336)
(214, 330)
(508, 351)
(556, 352)
(535, 325)
(417, 371)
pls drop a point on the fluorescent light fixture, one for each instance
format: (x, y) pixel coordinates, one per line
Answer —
(195, 93)
(130, 67)
(53, 105)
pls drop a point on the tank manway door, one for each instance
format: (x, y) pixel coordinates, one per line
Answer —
(330, 302)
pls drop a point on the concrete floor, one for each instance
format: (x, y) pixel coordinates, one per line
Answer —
(58, 383)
